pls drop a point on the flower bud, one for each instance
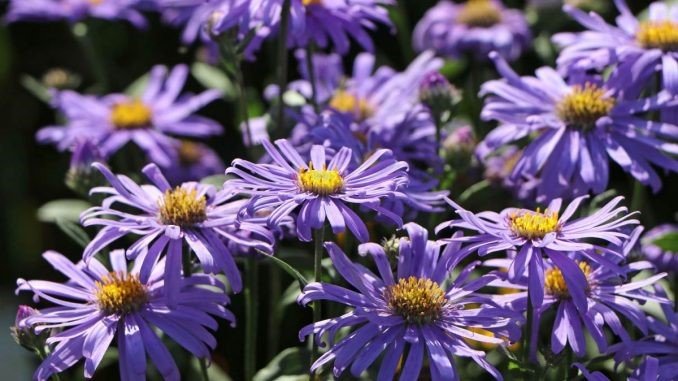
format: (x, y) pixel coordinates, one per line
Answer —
(436, 92)
(22, 333)
(80, 176)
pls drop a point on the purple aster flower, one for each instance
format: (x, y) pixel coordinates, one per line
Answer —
(97, 305)
(662, 344)
(663, 259)
(530, 236)
(417, 310)
(574, 128)
(321, 22)
(647, 371)
(195, 162)
(609, 295)
(112, 121)
(319, 190)
(640, 47)
(165, 218)
(474, 28)
(75, 10)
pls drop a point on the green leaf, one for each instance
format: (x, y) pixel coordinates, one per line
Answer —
(136, 88)
(453, 68)
(65, 209)
(291, 365)
(288, 269)
(667, 242)
(216, 180)
(73, 230)
(213, 372)
(213, 78)
(36, 88)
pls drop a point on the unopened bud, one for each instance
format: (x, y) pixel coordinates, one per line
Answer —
(438, 94)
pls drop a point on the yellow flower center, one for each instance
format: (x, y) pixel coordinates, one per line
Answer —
(658, 35)
(584, 106)
(344, 101)
(131, 115)
(479, 13)
(322, 182)
(96, 2)
(554, 283)
(417, 300)
(182, 207)
(306, 3)
(532, 225)
(189, 153)
(119, 293)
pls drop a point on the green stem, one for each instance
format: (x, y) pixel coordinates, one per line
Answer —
(310, 49)
(42, 354)
(251, 293)
(203, 370)
(282, 60)
(317, 271)
(638, 197)
(81, 33)
(473, 189)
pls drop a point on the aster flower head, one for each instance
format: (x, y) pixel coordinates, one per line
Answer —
(661, 344)
(415, 310)
(532, 236)
(474, 28)
(97, 305)
(75, 10)
(323, 23)
(641, 47)
(322, 190)
(112, 121)
(574, 128)
(166, 217)
(610, 295)
(195, 162)
(663, 259)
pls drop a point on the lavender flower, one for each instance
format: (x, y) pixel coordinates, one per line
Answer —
(641, 48)
(417, 308)
(97, 305)
(529, 236)
(662, 344)
(318, 191)
(577, 126)
(195, 162)
(664, 260)
(166, 218)
(320, 22)
(75, 10)
(112, 121)
(609, 295)
(474, 28)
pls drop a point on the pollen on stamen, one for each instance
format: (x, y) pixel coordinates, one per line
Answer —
(323, 182)
(120, 293)
(533, 225)
(479, 13)
(182, 207)
(658, 35)
(344, 101)
(554, 283)
(584, 106)
(417, 300)
(131, 115)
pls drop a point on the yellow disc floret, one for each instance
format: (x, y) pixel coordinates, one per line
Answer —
(183, 207)
(306, 3)
(323, 182)
(479, 13)
(658, 35)
(584, 106)
(120, 293)
(417, 300)
(189, 153)
(533, 225)
(344, 101)
(554, 283)
(131, 115)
